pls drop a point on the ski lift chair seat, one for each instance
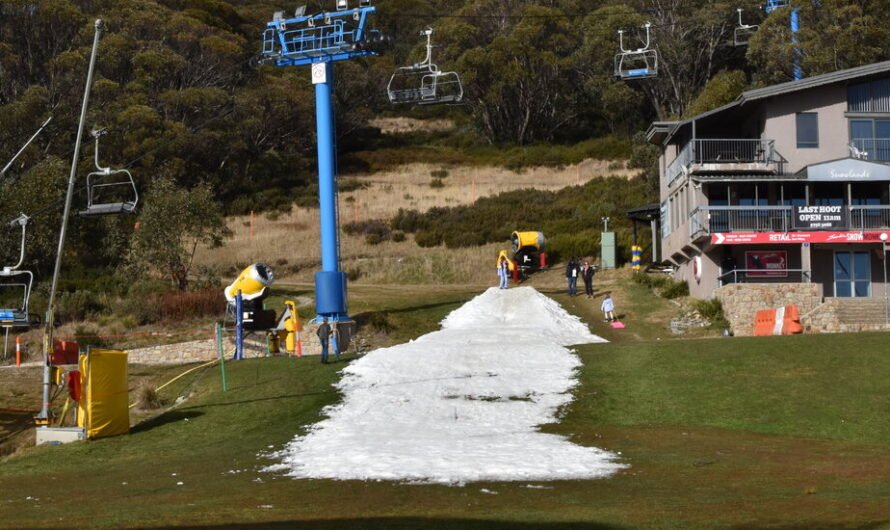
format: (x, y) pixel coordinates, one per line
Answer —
(110, 208)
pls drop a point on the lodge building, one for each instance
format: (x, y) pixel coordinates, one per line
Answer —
(787, 184)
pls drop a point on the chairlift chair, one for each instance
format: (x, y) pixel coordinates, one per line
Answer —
(772, 5)
(743, 32)
(109, 191)
(641, 63)
(15, 288)
(423, 83)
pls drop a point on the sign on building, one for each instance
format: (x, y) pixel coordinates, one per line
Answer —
(819, 218)
(766, 263)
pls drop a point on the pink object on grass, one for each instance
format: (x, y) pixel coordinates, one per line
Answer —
(617, 325)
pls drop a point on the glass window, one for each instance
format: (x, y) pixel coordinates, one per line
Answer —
(807, 130)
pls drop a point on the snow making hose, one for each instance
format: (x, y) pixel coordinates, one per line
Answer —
(183, 374)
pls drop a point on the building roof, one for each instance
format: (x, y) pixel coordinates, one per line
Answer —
(661, 131)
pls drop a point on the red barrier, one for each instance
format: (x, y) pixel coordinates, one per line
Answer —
(64, 352)
(74, 385)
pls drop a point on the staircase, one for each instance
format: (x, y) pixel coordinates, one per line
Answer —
(847, 315)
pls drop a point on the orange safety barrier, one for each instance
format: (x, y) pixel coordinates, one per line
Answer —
(781, 321)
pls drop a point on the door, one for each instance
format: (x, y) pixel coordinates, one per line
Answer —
(852, 274)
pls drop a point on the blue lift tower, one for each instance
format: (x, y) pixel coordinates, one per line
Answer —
(772, 5)
(318, 41)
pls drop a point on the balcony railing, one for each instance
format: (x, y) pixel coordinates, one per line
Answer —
(765, 276)
(726, 155)
(872, 149)
(869, 217)
(705, 220)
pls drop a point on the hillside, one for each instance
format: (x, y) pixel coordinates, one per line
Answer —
(757, 436)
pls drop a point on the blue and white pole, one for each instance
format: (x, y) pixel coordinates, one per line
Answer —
(239, 327)
(795, 28)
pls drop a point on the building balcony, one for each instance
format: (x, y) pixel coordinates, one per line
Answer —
(722, 156)
(706, 220)
(871, 149)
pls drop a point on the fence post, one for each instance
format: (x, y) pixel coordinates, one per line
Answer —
(239, 327)
(222, 356)
(18, 351)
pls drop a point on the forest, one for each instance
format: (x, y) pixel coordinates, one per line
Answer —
(192, 115)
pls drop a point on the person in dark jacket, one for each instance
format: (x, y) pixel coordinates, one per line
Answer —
(587, 271)
(572, 273)
(324, 334)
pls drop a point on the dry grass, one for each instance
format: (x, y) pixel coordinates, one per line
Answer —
(290, 243)
(400, 125)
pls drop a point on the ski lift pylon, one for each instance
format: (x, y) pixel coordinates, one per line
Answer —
(109, 191)
(423, 83)
(641, 63)
(743, 32)
(14, 307)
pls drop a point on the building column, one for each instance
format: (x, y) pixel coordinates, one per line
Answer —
(806, 262)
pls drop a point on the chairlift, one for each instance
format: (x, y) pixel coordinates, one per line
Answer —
(15, 288)
(743, 32)
(641, 63)
(423, 83)
(109, 191)
(772, 5)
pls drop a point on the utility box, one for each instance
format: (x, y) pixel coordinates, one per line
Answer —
(59, 435)
(608, 251)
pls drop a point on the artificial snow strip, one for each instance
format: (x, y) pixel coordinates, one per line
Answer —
(458, 405)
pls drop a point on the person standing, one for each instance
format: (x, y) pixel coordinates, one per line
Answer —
(572, 276)
(608, 307)
(324, 334)
(503, 272)
(587, 271)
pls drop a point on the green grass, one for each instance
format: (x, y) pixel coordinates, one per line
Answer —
(785, 432)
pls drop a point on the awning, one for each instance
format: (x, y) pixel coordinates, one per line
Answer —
(846, 169)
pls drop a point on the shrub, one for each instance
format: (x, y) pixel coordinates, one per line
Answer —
(428, 239)
(87, 335)
(77, 305)
(437, 183)
(183, 305)
(439, 174)
(674, 289)
(373, 239)
(147, 398)
(398, 236)
(712, 310)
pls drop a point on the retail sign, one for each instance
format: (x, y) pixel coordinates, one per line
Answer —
(819, 218)
(848, 169)
(766, 263)
(780, 238)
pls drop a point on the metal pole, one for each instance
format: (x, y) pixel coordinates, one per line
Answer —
(43, 416)
(239, 327)
(222, 355)
(886, 307)
(6, 344)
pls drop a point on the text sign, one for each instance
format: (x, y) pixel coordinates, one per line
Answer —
(819, 218)
(766, 263)
(778, 238)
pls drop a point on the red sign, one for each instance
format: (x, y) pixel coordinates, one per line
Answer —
(766, 263)
(778, 238)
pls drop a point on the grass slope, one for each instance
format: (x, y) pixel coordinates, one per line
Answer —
(719, 433)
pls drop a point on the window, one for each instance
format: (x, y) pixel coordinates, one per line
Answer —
(871, 138)
(807, 130)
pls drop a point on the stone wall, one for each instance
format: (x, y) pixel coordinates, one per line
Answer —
(205, 350)
(742, 300)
